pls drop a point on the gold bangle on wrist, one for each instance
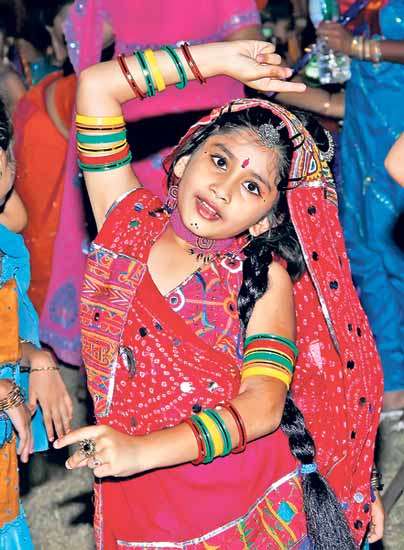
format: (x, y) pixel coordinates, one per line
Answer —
(375, 51)
(357, 47)
(366, 50)
(13, 399)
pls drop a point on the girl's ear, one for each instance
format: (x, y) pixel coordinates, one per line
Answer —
(180, 166)
(260, 227)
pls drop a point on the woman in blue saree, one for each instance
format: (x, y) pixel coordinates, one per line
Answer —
(371, 200)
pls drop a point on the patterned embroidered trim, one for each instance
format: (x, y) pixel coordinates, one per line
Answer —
(215, 532)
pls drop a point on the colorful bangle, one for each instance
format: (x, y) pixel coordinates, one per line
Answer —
(155, 71)
(178, 65)
(105, 167)
(214, 432)
(206, 438)
(242, 433)
(151, 91)
(106, 128)
(103, 138)
(100, 121)
(199, 440)
(271, 336)
(120, 155)
(191, 62)
(129, 77)
(224, 432)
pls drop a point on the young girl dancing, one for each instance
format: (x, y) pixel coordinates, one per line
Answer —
(196, 313)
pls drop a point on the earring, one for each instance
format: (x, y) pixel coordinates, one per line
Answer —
(172, 197)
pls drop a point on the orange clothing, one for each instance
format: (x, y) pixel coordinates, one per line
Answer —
(40, 151)
(9, 493)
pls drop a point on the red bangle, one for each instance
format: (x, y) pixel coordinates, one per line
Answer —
(105, 159)
(199, 440)
(191, 62)
(129, 77)
(242, 434)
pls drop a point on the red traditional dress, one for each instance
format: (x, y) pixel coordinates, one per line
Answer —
(153, 360)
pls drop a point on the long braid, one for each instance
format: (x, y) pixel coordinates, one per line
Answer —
(326, 523)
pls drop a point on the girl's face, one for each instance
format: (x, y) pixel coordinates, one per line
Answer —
(227, 186)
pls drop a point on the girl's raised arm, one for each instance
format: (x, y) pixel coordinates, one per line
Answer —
(103, 88)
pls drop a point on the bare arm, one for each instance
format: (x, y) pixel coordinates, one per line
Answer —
(394, 162)
(316, 100)
(260, 403)
(252, 62)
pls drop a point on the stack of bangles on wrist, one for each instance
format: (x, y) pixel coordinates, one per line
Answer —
(101, 141)
(376, 480)
(364, 49)
(212, 435)
(264, 355)
(153, 77)
(13, 399)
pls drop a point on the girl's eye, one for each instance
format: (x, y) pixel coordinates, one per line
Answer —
(252, 187)
(220, 162)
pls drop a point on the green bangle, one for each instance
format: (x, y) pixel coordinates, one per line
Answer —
(209, 446)
(151, 91)
(221, 425)
(178, 65)
(104, 167)
(265, 335)
(85, 138)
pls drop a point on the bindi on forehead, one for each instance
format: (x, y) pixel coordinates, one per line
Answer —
(245, 163)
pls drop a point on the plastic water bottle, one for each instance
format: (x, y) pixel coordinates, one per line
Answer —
(332, 67)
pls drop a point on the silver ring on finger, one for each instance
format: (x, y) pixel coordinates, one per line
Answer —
(94, 462)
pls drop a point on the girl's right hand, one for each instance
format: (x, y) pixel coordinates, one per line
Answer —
(256, 64)
(21, 418)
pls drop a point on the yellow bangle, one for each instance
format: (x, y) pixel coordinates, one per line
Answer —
(265, 371)
(100, 120)
(214, 432)
(156, 73)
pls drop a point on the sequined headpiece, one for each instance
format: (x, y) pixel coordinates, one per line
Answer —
(269, 135)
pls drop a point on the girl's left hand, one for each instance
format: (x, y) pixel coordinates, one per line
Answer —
(47, 388)
(377, 520)
(336, 36)
(116, 454)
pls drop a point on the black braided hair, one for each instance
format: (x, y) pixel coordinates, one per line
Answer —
(326, 523)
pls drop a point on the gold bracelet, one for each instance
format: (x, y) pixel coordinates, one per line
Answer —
(366, 49)
(13, 399)
(375, 55)
(44, 368)
(357, 46)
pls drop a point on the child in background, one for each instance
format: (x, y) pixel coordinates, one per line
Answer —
(20, 354)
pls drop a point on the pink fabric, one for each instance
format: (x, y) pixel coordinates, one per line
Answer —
(137, 24)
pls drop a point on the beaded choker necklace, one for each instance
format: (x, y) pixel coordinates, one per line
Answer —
(204, 248)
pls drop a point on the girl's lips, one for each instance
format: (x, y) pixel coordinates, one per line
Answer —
(206, 210)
